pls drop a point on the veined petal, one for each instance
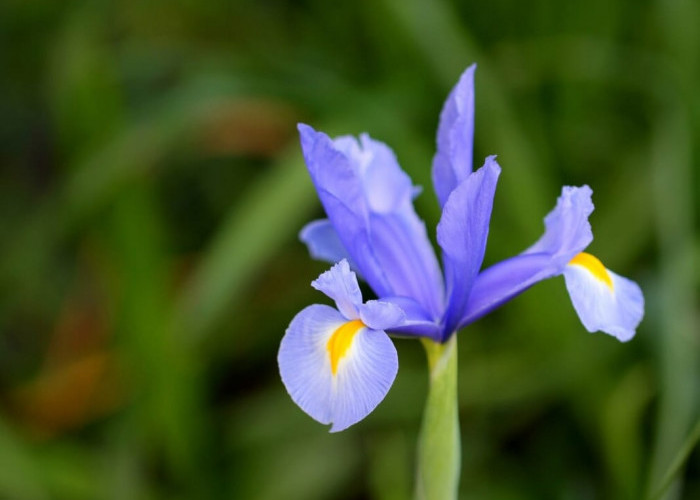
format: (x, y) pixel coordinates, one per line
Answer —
(364, 377)
(567, 230)
(380, 315)
(323, 242)
(401, 245)
(501, 282)
(452, 163)
(387, 188)
(336, 370)
(340, 190)
(304, 362)
(416, 322)
(340, 284)
(603, 300)
(398, 238)
(369, 201)
(567, 233)
(462, 234)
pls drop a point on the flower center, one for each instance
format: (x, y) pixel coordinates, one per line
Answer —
(594, 266)
(341, 340)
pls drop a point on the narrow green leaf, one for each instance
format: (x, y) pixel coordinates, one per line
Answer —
(273, 210)
(678, 353)
(678, 462)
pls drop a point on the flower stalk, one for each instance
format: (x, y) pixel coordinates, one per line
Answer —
(438, 464)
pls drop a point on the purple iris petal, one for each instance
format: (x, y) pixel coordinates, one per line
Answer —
(614, 305)
(369, 201)
(344, 394)
(365, 379)
(501, 282)
(323, 241)
(455, 138)
(462, 234)
(567, 233)
(340, 191)
(417, 322)
(340, 284)
(567, 230)
(411, 271)
(303, 361)
(381, 315)
(387, 188)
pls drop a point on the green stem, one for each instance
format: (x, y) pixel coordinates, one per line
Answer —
(438, 443)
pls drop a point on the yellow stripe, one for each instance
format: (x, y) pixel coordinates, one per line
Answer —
(594, 266)
(341, 340)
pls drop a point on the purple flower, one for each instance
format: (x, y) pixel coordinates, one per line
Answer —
(338, 365)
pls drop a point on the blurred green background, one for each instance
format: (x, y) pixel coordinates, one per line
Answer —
(152, 189)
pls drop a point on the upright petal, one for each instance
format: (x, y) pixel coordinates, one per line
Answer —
(567, 230)
(567, 233)
(462, 234)
(340, 190)
(603, 300)
(340, 284)
(399, 239)
(336, 370)
(369, 202)
(402, 247)
(452, 163)
(387, 188)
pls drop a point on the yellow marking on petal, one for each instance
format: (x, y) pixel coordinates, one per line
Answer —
(341, 340)
(594, 266)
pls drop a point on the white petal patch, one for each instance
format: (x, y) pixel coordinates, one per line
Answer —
(605, 301)
(365, 366)
(304, 363)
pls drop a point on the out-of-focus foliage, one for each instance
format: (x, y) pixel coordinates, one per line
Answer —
(152, 188)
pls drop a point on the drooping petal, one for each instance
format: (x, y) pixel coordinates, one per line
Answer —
(369, 201)
(340, 284)
(604, 300)
(452, 163)
(567, 233)
(364, 378)
(462, 234)
(336, 370)
(323, 242)
(304, 362)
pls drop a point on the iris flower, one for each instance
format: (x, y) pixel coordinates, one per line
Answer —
(338, 363)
